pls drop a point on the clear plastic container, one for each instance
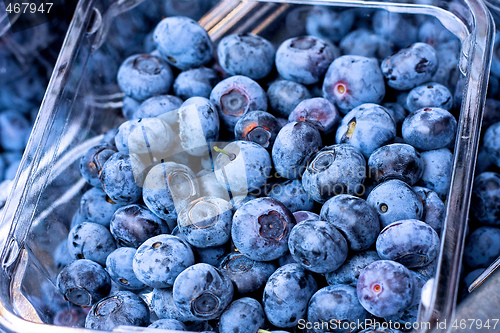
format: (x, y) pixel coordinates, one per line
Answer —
(79, 103)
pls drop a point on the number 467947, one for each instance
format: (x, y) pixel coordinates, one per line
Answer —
(28, 7)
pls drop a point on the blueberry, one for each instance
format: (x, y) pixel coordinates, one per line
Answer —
(198, 125)
(130, 105)
(143, 75)
(349, 272)
(160, 259)
(261, 228)
(210, 187)
(132, 225)
(286, 295)
(168, 324)
(14, 130)
(448, 71)
(259, 127)
(62, 256)
(122, 308)
(196, 82)
(183, 42)
(438, 165)
(83, 282)
(292, 195)
(96, 207)
(412, 243)
(167, 188)
(247, 275)
(410, 67)
(295, 144)
(434, 208)
(335, 306)
(354, 218)
(211, 255)
(243, 166)
(434, 33)
(236, 96)
(366, 127)
(397, 111)
(285, 95)
(483, 247)
(245, 314)
(119, 267)
(485, 206)
(394, 28)
(246, 54)
(92, 162)
(72, 316)
(90, 241)
(363, 42)
(206, 222)
(431, 95)
(119, 180)
(163, 106)
(329, 23)
(337, 169)
(123, 134)
(385, 288)
(491, 143)
(394, 200)
(152, 137)
(303, 215)
(304, 59)
(318, 246)
(396, 161)
(318, 111)
(162, 303)
(343, 87)
(202, 291)
(429, 128)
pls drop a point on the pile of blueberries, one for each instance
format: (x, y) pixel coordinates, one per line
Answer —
(279, 186)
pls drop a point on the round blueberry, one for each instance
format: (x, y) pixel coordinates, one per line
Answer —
(261, 228)
(412, 243)
(156, 106)
(160, 259)
(295, 144)
(318, 246)
(196, 82)
(396, 161)
(119, 267)
(246, 54)
(334, 170)
(236, 96)
(349, 272)
(285, 95)
(132, 225)
(83, 282)
(483, 247)
(343, 87)
(257, 126)
(366, 127)
(339, 303)
(485, 199)
(143, 75)
(394, 200)
(183, 42)
(385, 288)
(410, 67)
(95, 206)
(245, 314)
(91, 241)
(434, 208)
(438, 165)
(292, 195)
(119, 180)
(247, 275)
(354, 218)
(92, 162)
(206, 222)
(304, 59)
(122, 308)
(431, 95)
(202, 291)
(318, 111)
(286, 295)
